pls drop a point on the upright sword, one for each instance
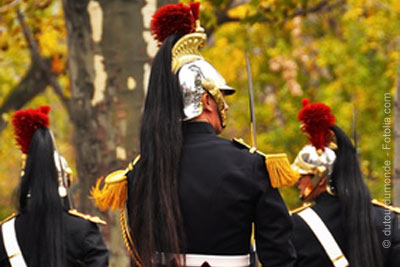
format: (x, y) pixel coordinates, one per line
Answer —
(253, 257)
(251, 103)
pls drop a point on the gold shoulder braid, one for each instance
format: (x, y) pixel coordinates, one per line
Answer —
(128, 239)
(301, 208)
(94, 219)
(388, 207)
(278, 166)
(114, 195)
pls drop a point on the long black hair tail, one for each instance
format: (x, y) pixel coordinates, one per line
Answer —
(153, 202)
(40, 202)
(355, 200)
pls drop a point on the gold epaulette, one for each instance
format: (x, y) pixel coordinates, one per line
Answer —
(114, 193)
(94, 219)
(13, 215)
(278, 166)
(301, 208)
(383, 205)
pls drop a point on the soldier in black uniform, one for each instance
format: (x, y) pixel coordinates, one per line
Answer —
(193, 192)
(364, 233)
(46, 232)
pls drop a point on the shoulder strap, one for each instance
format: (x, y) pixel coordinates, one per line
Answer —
(13, 215)
(11, 244)
(301, 208)
(383, 205)
(324, 236)
(93, 219)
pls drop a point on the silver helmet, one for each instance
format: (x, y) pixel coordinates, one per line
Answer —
(196, 78)
(311, 161)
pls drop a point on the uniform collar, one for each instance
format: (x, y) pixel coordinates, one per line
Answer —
(198, 127)
(325, 197)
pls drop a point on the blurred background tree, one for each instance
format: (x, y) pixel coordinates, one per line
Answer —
(90, 61)
(342, 53)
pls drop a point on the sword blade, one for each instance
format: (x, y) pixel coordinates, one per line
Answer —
(251, 103)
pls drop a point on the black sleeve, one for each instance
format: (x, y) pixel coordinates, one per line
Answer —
(308, 249)
(394, 255)
(273, 224)
(96, 253)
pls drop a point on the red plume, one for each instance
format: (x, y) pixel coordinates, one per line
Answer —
(179, 18)
(317, 120)
(26, 121)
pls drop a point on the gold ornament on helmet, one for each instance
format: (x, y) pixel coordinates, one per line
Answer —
(187, 49)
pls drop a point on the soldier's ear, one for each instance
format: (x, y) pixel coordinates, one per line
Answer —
(207, 101)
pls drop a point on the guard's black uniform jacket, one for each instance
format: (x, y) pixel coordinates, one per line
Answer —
(310, 252)
(223, 189)
(84, 243)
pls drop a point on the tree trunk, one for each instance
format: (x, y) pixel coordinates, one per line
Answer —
(109, 64)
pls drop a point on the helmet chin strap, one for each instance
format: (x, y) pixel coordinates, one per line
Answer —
(330, 189)
(216, 94)
(309, 192)
(62, 169)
